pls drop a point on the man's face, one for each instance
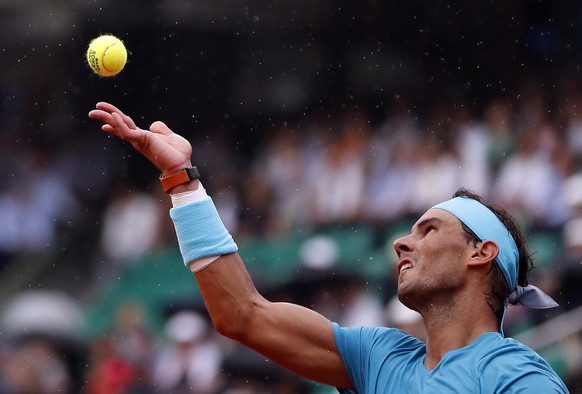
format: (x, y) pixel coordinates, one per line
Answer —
(431, 260)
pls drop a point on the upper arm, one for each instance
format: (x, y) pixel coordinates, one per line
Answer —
(299, 339)
(295, 337)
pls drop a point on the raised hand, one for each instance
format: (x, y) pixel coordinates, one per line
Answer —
(168, 151)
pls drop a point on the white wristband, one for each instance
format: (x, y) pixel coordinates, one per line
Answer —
(201, 263)
(189, 196)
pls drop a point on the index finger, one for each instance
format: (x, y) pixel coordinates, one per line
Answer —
(115, 124)
(107, 107)
(101, 115)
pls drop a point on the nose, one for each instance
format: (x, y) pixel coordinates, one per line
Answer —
(402, 244)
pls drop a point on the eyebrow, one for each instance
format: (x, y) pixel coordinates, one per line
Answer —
(425, 222)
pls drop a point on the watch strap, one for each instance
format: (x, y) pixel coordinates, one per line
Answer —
(179, 178)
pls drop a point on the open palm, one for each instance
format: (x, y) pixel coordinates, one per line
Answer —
(168, 151)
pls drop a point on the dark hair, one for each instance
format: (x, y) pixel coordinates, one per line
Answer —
(499, 288)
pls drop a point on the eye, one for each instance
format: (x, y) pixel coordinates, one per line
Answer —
(430, 228)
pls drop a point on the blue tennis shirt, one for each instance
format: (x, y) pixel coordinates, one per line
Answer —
(386, 360)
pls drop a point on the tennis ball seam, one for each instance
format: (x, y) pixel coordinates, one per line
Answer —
(103, 57)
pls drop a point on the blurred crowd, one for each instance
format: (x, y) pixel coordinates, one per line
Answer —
(325, 168)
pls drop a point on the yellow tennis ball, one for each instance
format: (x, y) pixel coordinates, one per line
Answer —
(106, 55)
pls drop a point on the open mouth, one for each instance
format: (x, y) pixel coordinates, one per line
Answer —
(403, 267)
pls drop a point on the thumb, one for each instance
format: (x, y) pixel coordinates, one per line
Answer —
(159, 127)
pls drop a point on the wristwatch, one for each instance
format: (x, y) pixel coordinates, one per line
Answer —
(179, 178)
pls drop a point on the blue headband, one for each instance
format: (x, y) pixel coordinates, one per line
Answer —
(487, 227)
(483, 222)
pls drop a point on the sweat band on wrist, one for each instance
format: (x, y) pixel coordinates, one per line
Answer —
(200, 231)
(189, 196)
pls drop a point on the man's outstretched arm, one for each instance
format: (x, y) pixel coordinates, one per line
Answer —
(294, 337)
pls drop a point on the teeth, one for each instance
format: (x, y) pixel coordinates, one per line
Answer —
(405, 266)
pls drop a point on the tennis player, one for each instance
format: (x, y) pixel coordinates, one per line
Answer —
(461, 265)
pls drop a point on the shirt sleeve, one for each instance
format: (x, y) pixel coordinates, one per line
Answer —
(348, 342)
(363, 351)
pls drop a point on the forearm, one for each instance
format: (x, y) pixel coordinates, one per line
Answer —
(209, 251)
(291, 335)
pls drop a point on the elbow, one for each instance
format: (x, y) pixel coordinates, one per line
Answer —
(234, 324)
(230, 328)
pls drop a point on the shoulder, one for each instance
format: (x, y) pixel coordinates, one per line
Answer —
(494, 348)
(513, 366)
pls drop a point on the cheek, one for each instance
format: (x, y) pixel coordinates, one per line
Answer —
(442, 260)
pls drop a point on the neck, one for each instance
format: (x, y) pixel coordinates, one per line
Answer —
(454, 325)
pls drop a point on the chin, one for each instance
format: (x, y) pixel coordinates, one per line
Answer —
(407, 298)
(403, 296)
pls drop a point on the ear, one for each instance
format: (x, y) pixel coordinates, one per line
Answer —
(484, 253)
